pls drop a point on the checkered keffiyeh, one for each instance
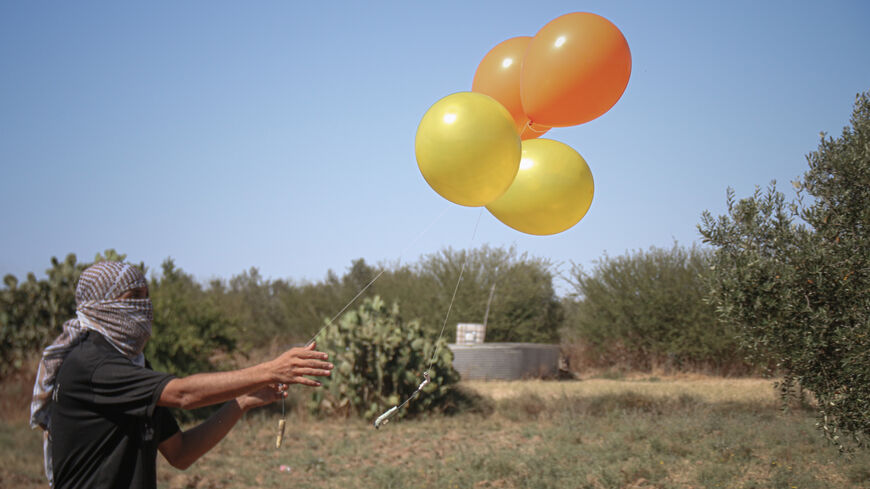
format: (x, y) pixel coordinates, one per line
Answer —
(125, 323)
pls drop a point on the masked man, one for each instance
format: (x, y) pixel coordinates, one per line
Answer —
(105, 413)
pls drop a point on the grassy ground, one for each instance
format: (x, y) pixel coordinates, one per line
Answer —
(641, 433)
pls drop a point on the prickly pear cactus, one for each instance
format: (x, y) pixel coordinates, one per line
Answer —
(379, 361)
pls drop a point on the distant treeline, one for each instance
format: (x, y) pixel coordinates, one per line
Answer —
(633, 311)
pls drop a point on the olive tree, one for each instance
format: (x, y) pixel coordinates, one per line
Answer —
(794, 278)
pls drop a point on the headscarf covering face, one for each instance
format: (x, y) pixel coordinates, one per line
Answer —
(125, 323)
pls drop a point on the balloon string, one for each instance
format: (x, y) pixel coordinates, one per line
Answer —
(530, 128)
(362, 291)
(385, 418)
(455, 290)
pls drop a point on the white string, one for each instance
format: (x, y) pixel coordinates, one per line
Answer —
(361, 292)
(385, 418)
(455, 290)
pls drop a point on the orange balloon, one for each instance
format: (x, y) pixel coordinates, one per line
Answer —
(575, 69)
(498, 76)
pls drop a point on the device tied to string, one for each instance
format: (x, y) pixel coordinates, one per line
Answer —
(385, 418)
(282, 423)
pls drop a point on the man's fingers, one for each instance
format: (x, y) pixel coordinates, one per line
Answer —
(315, 364)
(312, 354)
(312, 371)
(305, 381)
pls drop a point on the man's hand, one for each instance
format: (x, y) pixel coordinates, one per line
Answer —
(294, 364)
(261, 397)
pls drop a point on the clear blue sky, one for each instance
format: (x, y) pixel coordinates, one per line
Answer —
(280, 135)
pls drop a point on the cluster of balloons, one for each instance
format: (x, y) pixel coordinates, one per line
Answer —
(480, 148)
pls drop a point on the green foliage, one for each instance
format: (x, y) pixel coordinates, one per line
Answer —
(795, 278)
(513, 293)
(188, 329)
(379, 361)
(648, 307)
(24, 320)
(516, 290)
(259, 308)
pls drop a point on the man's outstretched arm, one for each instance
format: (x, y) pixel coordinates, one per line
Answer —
(205, 389)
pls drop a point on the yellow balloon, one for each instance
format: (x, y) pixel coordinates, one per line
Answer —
(551, 192)
(468, 148)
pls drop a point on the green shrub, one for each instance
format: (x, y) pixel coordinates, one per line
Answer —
(512, 292)
(379, 361)
(24, 321)
(188, 329)
(647, 308)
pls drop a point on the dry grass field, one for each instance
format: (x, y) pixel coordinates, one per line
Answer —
(638, 432)
(706, 389)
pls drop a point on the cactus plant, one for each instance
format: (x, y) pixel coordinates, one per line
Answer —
(379, 361)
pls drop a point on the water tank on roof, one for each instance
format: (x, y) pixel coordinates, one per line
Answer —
(470, 333)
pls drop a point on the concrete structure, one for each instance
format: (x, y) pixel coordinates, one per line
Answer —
(505, 361)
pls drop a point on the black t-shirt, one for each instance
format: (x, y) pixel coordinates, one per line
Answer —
(105, 422)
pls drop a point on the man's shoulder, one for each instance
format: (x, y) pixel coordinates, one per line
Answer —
(92, 351)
